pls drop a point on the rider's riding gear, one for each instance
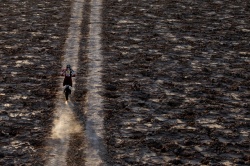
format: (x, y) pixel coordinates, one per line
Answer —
(68, 73)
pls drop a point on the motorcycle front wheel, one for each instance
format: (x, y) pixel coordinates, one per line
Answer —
(67, 92)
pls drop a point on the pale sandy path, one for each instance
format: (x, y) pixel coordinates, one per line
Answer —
(65, 122)
(93, 106)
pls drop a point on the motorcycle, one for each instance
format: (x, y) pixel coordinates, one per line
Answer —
(67, 92)
(67, 82)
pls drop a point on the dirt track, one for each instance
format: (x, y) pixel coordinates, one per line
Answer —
(176, 78)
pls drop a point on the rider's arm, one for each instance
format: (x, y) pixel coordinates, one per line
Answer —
(73, 74)
(63, 72)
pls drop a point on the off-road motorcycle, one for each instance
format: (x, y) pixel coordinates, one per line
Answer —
(67, 92)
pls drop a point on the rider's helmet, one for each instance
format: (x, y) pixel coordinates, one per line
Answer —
(68, 66)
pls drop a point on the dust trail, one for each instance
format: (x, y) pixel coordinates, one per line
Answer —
(93, 107)
(65, 123)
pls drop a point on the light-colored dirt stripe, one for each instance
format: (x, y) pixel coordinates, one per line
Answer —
(64, 121)
(94, 108)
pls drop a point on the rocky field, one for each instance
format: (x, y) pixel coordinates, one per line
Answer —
(32, 38)
(176, 77)
(177, 82)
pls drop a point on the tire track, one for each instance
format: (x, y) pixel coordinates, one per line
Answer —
(77, 143)
(93, 106)
(65, 124)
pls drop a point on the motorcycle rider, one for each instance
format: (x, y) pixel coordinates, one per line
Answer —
(68, 73)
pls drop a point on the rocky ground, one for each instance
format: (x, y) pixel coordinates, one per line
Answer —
(176, 78)
(177, 82)
(32, 40)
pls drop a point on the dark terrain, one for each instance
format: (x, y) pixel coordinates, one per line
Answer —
(176, 77)
(177, 82)
(31, 45)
